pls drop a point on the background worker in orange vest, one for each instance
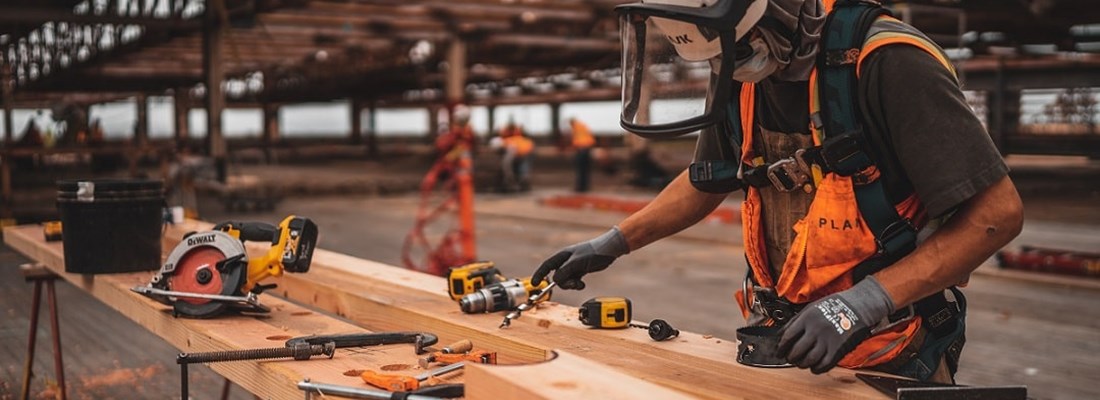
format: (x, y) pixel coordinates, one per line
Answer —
(582, 141)
(516, 149)
(835, 193)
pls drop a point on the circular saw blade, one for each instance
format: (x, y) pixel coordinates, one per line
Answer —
(188, 277)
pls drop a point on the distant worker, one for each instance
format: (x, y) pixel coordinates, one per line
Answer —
(582, 141)
(515, 163)
(848, 133)
(458, 135)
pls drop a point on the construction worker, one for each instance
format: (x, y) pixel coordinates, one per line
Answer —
(582, 143)
(459, 134)
(516, 149)
(835, 193)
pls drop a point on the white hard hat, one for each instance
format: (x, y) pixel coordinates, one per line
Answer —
(461, 112)
(694, 43)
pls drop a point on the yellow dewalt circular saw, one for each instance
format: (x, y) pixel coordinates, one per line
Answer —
(209, 272)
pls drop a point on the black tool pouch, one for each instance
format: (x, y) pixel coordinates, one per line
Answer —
(757, 347)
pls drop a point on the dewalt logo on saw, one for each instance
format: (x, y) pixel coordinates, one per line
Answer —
(197, 240)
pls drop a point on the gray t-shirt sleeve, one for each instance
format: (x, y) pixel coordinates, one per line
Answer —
(935, 139)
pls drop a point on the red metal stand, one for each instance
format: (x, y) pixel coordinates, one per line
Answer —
(39, 275)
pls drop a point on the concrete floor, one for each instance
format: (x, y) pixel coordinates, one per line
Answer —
(1021, 331)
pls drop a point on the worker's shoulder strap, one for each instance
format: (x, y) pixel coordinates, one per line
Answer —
(842, 41)
(835, 115)
(887, 30)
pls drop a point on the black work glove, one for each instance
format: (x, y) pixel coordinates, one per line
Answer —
(828, 329)
(573, 262)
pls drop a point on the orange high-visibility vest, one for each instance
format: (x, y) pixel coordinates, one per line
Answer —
(522, 145)
(833, 238)
(582, 136)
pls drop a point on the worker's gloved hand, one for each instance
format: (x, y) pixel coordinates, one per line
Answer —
(828, 329)
(573, 262)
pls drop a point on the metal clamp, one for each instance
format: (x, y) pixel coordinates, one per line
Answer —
(420, 340)
(787, 175)
(768, 303)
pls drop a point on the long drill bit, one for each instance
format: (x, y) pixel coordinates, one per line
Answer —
(526, 306)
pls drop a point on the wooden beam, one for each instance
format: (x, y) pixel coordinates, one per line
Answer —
(372, 131)
(271, 129)
(267, 379)
(277, 379)
(181, 106)
(555, 124)
(567, 376)
(141, 128)
(356, 121)
(213, 76)
(38, 15)
(455, 91)
(608, 45)
(6, 96)
(383, 297)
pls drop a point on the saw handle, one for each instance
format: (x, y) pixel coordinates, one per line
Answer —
(251, 231)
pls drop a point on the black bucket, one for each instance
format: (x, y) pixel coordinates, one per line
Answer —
(111, 225)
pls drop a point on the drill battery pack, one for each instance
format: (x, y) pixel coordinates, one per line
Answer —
(469, 278)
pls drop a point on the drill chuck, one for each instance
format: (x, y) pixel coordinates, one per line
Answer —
(499, 296)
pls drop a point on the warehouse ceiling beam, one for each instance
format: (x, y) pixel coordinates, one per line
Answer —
(156, 15)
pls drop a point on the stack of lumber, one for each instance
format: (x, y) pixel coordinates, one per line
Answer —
(371, 296)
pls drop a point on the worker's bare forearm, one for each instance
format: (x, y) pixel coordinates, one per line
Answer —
(980, 227)
(677, 207)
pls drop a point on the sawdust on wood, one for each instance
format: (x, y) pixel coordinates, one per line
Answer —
(396, 367)
(545, 323)
(301, 313)
(51, 392)
(278, 337)
(845, 379)
(564, 385)
(353, 372)
(123, 376)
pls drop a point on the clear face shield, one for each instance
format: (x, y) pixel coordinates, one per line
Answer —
(678, 64)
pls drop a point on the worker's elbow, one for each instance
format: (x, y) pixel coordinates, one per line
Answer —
(1010, 211)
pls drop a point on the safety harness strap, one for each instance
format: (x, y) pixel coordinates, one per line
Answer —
(844, 34)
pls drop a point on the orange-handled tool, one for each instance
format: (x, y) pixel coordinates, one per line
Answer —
(478, 356)
(405, 383)
(393, 383)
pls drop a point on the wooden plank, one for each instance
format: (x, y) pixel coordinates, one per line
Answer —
(383, 297)
(268, 379)
(567, 376)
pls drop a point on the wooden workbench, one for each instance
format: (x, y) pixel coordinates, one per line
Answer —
(384, 297)
(275, 379)
(373, 296)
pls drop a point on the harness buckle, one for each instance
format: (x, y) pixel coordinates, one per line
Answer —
(896, 237)
(787, 175)
(768, 303)
(844, 155)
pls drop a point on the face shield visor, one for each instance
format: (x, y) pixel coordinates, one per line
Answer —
(678, 63)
